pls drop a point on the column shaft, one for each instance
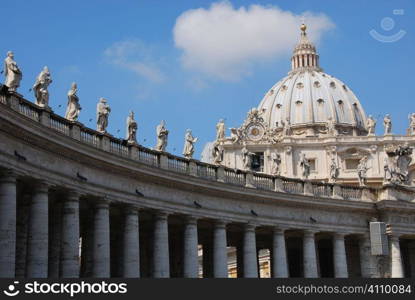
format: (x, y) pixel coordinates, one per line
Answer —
(279, 254)
(367, 260)
(101, 241)
(69, 262)
(161, 260)
(190, 268)
(339, 257)
(220, 255)
(38, 240)
(7, 225)
(250, 258)
(396, 258)
(310, 257)
(131, 249)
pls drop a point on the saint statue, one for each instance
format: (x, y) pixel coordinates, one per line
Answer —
(73, 108)
(220, 130)
(103, 111)
(275, 163)
(334, 170)
(370, 125)
(387, 123)
(331, 127)
(412, 124)
(217, 153)
(12, 73)
(162, 135)
(362, 170)
(132, 127)
(189, 142)
(40, 88)
(246, 158)
(286, 130)
(305, 166)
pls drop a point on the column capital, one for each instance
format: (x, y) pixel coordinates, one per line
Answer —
(220, 223)
(73, 195)
(394, 237)
(190, 219)
(41, 186)
(131, 209)
(339, 235)
(161, 214)
(310, 232)
(249, 226)
(101, 203)
(8, 176)
(278, 229)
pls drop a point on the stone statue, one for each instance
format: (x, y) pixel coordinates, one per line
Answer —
(12, 73)
(236, 135)
(362, 170)
(387, 123)
(189, 142)
(217, 153)
(246, 158)
(275, 163)
(397, 164)
(286, 127)
(331, 127)
(370, 125)
(412, 124)
(103, 111)
(305, 167)
(220, 130)
(40, 88)
(73, 108)
(132, 127)
(162, 135)
(334, 170)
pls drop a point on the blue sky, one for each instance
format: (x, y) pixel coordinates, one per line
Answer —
(135, 54)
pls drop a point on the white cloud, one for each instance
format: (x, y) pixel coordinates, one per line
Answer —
(135, 56)
(224, 42)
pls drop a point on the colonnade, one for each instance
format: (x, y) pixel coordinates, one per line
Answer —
(58, 249)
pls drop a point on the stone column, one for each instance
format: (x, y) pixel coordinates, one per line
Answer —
(69, 261)
(7, 225)
(101, 240)
(279, 254)
(250, 258)
(161, 260)
(396, 258)
(38, 239)
(131, 244)
(21, 235)
(55, 238)
(190, 267)
(367, 260)
(220, 255)
(309, 253)
(339, 256)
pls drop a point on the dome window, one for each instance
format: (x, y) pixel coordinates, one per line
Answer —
(333, 84)
(279, 105)
(320, 101)
(317, 84)
(300, 85)
(345, 87)
(298, 102)
(284, 88)
(340, 102)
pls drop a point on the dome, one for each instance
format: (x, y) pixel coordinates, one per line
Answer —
(310, 98)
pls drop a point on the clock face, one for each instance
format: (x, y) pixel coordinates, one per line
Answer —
(255, 132)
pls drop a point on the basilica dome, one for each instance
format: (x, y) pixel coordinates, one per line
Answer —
(309, 99)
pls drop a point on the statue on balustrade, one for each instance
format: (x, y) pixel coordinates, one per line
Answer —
(275, 163)
(220, 130)
(189, 142)
(286, 127)
(305, 166)
(217, 152)
(334, 170)
(162, 135)
(331, 127)
(362, 169)
(40, 88)
(73, 108)
(12, 73)
(103, 111)
(132, 127)
(397, 163)
(387, 123)
(370, 125)
(247, 158)
(412, 124)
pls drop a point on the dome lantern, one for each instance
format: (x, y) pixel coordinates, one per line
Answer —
(304, 55)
